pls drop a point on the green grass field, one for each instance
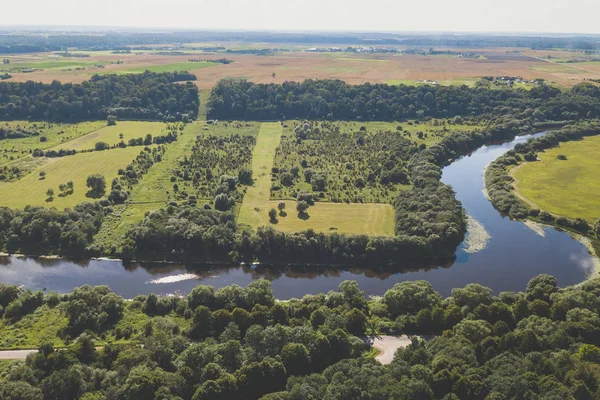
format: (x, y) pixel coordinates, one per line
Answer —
(51, 64)
(174, 67)
(371, 219)
(111, 134)
(150, 193)
(32, 330)
(30, 190)
(569, 187)
(55, 134)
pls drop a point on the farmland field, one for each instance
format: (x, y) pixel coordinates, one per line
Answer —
(175, 67)
(298, 65)
(374, 219)
(564, 187)
(31, 189)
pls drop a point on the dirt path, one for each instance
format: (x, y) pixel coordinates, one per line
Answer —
(387, 345)
(15, 354)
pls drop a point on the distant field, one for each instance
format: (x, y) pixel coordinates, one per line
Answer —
(298, 66)
(111, 134)
(371, 219)
(569, 187)
(175, 67)
(445, 82)
(30, 190)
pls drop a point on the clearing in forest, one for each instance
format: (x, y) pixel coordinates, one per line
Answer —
(568, 187)
(370, 219)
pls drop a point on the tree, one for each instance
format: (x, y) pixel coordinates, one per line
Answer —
(99, 146)
(111, 120)
(281, 208)
(50, 193)
(245, 176)
(42, 175)
(301, 207)
(273, 215)
(223, 202)
(97, 185)
(296, 359)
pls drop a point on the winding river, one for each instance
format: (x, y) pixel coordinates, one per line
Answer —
(498, 253)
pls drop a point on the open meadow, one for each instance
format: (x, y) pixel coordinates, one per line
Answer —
(568, 187)
(32, 188)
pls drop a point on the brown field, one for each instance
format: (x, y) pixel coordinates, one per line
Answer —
(350, 67)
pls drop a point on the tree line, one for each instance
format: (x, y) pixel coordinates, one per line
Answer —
(336, 100)
(147, 96)
(241, 343)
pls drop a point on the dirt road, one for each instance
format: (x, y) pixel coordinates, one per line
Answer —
(15, 354)
(387, 345)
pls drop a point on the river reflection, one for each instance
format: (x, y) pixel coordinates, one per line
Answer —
(512, 255)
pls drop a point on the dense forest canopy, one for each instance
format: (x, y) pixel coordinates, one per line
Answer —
(240, 343)
(148, 96)
(336, 100)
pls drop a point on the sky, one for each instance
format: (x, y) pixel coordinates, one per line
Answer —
(556, 16)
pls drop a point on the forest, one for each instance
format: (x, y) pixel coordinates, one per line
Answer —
(336, 100)
(241, 343)
(147, 96)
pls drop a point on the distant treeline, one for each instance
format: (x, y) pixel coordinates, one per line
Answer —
(224, 61)
(335, 100)
(147, 96)
(59, 41)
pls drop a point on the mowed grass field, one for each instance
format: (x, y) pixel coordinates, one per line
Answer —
(569, 188)
(55, 134)
(31, 190)
(369, 219)
(111, 134)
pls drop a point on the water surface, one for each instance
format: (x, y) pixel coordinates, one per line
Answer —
(513, 254)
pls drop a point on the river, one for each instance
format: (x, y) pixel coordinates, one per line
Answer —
(500, 253)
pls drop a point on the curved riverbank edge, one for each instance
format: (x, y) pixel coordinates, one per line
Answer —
(526, 210)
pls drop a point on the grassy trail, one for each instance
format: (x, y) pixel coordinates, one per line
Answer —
(150, 193)
(368, 219)
(256, 200)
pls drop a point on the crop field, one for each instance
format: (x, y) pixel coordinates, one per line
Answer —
(564, 187)
(124, 130)
(374, 219)
(54, 134)
(31, 189)
(298, 65)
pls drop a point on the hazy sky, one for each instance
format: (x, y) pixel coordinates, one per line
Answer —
(567, 16)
